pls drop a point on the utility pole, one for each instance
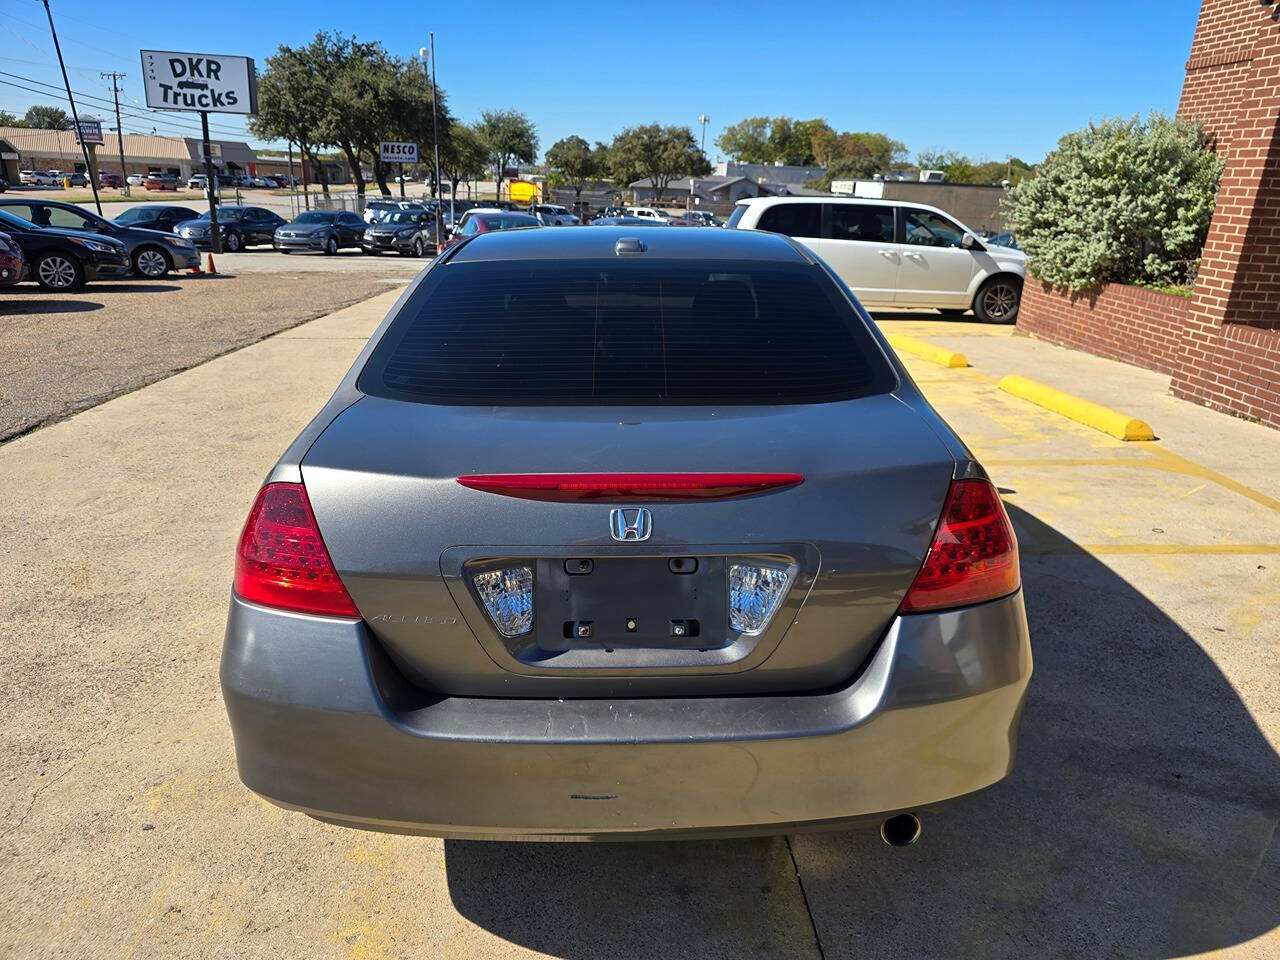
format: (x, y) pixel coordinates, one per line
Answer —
(75, 117)
(211, 183)
(115, 92)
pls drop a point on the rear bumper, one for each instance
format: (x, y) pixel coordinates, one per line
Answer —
(324, 723)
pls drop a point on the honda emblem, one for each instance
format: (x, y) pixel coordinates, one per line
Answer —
(630, 526)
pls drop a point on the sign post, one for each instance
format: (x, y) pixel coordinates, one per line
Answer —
(206, 83)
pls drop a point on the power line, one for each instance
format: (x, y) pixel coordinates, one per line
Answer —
(152, 116)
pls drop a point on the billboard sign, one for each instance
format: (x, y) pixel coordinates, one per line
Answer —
(90, 131)
(392, 151)
(204, 82)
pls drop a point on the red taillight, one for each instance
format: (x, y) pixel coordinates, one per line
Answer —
(282, 561)
(567, 487)
(974, 554)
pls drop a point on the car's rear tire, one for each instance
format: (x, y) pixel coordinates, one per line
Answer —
(151, 262)
(233, 242)
(331, 246)
(998, 299)
(55, 271)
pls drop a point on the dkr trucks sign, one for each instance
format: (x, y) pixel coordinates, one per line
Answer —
(207, 82)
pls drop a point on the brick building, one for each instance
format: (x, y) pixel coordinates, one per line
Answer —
(1221, 348)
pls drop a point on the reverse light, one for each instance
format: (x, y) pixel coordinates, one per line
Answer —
(507, 595)
(282, 561)
(754, 595)
(647, 487)
(974, 554)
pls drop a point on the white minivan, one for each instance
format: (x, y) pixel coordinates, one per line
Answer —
(893, 253)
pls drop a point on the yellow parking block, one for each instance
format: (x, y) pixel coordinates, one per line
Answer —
(939, 355)
(1119, 425)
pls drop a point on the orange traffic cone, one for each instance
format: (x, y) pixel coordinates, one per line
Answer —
(195, 268)
(211, 268)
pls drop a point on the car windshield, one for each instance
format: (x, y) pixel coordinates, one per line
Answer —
(401, 216)
(226, 214)
(138, 215)
(602, 332)
(316, 216)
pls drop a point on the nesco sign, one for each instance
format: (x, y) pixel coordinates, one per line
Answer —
(208, 82)
(391, 151)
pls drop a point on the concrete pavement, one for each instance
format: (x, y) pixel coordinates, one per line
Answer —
(1140, 821)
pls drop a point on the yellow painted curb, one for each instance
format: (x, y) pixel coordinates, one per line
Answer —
(939, 355)
(1119, 425)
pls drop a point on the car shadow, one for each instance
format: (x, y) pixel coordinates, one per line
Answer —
(28, 307)
(1139, 821)
(883, 318)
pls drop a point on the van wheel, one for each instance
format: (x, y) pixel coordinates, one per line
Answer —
(998, 300)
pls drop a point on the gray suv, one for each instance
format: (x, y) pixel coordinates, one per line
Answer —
(615, 534)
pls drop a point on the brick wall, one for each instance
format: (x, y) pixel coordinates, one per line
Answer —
(1221, 348)
(1118, 321)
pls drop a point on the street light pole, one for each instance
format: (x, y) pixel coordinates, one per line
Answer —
(430, 72)
(704, 120)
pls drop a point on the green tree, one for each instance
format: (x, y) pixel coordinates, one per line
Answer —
(573, 158)
(291, 104)
(47, 118)
(658, 153)
(789, 142)
(846, 168)
(1119, 201)
(462, 156)
(8, 119)
(876, 150)
(509, 137)
(747, 141)
(822, 140)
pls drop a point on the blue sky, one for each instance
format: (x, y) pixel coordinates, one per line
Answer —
(984, 78)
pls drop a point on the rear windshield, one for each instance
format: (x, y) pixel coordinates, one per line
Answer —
(626, 332)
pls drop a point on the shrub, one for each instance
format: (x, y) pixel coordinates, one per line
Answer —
(1121, 201)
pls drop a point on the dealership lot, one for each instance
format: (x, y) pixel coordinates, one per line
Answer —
(113, 337)
(1139, 821)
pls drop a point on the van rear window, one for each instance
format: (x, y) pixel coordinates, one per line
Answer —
(626, 332)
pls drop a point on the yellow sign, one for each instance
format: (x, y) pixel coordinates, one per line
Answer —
(522, 191)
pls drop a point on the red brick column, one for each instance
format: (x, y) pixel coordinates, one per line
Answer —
(1230, 354)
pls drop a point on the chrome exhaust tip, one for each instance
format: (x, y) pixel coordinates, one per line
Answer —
(901, 831)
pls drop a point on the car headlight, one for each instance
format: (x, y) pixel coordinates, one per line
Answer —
(93, 245)
(403, 234)
(176, 241)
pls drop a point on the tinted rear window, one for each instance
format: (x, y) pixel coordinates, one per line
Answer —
(793, 219)
(626, 332)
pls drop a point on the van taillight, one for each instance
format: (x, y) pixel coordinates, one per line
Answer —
(974, 554)
(282, 561)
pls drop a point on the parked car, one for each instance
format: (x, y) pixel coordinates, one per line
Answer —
(60, 259)
(476, 223)
(554, 215)
(704, 217)
(160, 181)
(240, 227)
(110, 180)
(37, 178)
(1003, 239)
(197, 181)
(260, 182)
(75, 179)
(650, 213)
(373, 209)
(226, 180)
(441, 623)
(610, 210)
(625, 221)
(409, 233)
(152, 254)
(324, 230)
(12, 263)
(135, 179)
(896, 253)
(156, 216)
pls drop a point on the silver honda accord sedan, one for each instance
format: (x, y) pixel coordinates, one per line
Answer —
(608, 536)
